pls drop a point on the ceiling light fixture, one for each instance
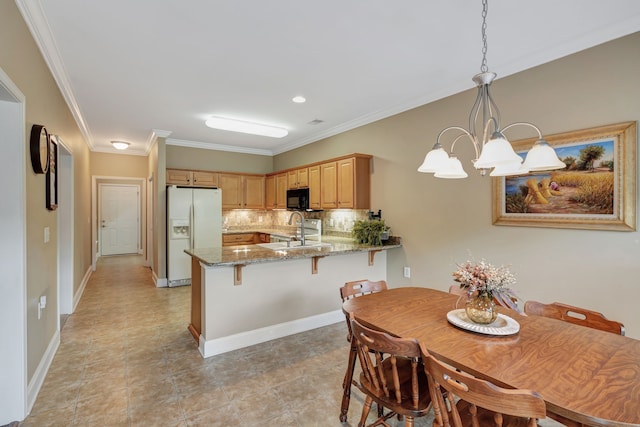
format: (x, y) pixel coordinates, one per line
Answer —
(246, 127)
(120, 145)
(299, 99)
(492, 148)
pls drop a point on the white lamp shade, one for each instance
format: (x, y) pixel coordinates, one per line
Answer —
(453, 170)
(496, 152)
(509, 169)
(542, 157)
(435, 160)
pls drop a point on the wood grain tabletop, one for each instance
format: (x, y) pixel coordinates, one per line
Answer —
(586, 375)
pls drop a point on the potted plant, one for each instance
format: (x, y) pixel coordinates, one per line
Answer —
(369, 232)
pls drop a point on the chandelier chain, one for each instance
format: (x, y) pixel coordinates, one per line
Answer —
(483, 67)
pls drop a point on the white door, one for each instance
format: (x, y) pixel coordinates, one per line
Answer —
(119, 219)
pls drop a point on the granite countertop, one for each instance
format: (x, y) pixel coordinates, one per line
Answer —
(285, 231)
(254, 254)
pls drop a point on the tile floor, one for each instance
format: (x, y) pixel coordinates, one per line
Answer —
(127, 359)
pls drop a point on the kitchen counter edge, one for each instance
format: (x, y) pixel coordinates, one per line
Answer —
(254, 254)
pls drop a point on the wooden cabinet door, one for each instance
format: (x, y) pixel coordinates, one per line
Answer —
(270, 192)
(329, 185)
(346, 177)
(303, 177)
(205, 179)
(178, 177)
(232, 190)
(281, 191)
(314, 187)
(238, 239)
(298, 178)
(292, 180)
(254, 192)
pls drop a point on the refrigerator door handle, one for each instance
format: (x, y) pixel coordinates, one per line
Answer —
(191, 222)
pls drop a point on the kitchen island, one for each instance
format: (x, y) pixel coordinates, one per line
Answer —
(245, 295)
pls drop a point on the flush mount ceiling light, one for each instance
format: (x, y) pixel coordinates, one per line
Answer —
(246, 127)
(120, 145)
(492, 148)
(299, 99)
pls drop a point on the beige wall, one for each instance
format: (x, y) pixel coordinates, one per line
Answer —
(120, 165)
(21, 60)
(447, 221)
(214, 160)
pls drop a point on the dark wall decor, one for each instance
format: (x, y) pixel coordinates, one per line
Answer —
(39, 149)
(52, 178)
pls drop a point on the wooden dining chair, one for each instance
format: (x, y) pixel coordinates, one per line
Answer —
(461, 400)
(392, 376)
(354, 289)
(575, 315)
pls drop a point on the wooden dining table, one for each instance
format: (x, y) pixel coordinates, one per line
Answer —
(585, 375)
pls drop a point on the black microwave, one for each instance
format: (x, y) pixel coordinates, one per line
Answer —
(298, 199)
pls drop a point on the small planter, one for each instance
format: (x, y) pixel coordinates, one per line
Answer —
(370, 232)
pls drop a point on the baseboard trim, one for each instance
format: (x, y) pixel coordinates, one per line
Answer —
(268, 333)
(160, 283)
(41, 371)
(80, 291)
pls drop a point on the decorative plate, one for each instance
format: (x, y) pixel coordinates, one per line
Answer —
(503, 325)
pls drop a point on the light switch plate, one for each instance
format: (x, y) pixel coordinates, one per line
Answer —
(46, 235)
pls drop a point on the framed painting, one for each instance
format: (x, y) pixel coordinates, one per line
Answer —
(596, 190)
(52, 178)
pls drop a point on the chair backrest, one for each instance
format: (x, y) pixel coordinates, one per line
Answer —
(388, 363)
(575, 315)
(452, 390)
(457, 290)
(361, 287)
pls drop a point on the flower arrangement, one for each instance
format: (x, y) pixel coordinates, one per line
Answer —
(485, 279)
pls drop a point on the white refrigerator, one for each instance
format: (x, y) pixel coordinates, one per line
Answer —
(194, 220)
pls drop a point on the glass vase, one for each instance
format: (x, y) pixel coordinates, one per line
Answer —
(481, 309)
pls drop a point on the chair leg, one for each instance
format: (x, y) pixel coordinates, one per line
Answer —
(365, 411)
(409, 422)
(346, 383)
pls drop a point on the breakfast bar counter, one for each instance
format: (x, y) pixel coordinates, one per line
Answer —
(253, 254)
(245, 295)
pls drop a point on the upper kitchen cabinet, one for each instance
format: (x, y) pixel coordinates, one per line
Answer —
(298, 178)
(270, 192)
(345, 183)
(253, 191)
(242, 191)
(314, 187)
(329, 185)
(191, 178)
(281, 191)
(276, 191)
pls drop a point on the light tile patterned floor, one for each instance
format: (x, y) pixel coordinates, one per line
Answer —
(127, 359)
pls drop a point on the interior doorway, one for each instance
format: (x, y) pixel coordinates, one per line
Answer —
(65, 230)
(13, 252)
(119, 219)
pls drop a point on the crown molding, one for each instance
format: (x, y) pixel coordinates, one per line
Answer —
(153, 136)
(218, 147)
(35, 19)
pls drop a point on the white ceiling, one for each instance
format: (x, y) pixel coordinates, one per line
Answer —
(130, 69)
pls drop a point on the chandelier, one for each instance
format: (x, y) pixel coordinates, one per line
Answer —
(492, 148)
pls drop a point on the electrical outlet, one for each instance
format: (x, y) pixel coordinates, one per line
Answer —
(407, 272)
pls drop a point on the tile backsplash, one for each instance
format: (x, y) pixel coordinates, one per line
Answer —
(337, 222)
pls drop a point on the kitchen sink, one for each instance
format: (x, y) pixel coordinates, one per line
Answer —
(281, 246)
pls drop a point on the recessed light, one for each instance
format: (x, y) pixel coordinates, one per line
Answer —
(120, 145)
(299, 99)
(246, 127)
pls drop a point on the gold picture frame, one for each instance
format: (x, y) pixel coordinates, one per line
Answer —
(597, 190)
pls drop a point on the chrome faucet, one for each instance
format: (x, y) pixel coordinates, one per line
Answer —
(301, 225)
